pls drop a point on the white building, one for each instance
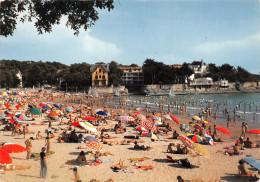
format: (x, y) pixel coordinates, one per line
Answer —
(223, 83)
(132, 76)
(202, 82)
(199, 68)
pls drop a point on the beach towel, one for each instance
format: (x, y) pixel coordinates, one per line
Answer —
(139, 159)
(105, 160)
(144, 167)
(36, 155)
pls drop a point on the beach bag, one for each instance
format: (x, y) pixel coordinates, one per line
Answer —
(185, 163)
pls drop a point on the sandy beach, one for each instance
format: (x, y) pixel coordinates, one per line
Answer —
(217, 167)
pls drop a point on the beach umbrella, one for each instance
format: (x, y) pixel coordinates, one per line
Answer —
(148, 125)
(206, 122)
(13, 148)
(21, 117)
(76, 123)
(69, 109)
(185, 128)
(88, 126)
(102, 113)
(91, 139)
(13, 121)
(175, 119)
(125, 118)
(55, 105)
(5, 158)
(140, 128)
(35, 111)
(209, 138)
(53, 114)
(195, 138)
(94, 146)
(46, 107)
(90, 118)
(152, 136)
(2, 115)
(167, 117)
(135, 112)
(10, 115)
(196, 126)
(186, 141)
(17, 107)
(254, 131)
(223, 130)
(96, 110)
(252, 162)
(42, 104)
(201, 150)
(139, 109)
(7, 105)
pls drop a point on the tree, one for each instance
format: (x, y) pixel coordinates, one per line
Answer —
(48, 13)
(115, 74)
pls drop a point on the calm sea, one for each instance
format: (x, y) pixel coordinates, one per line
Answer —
(246, 106)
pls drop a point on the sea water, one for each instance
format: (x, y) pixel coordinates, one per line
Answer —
(245, 106)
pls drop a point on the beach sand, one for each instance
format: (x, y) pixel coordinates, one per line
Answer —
(217, 167)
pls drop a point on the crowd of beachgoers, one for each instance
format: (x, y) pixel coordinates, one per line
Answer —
(54, 136)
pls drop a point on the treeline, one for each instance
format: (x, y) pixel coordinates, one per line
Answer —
(78, 75)
(75, 76)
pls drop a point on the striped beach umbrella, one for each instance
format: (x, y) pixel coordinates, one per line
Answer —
(186, 141)
(139, 109)
(195, 138)
(148, 125)
(21, 117)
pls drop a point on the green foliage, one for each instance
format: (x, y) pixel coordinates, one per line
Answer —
(115, 74)
(80, 14)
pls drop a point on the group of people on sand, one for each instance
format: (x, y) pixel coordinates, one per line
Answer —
(180, 149)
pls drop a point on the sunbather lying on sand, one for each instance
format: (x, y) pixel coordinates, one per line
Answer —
(13, 167)
(118, 166)
(103, 154)
(109, 180)
(141, 147)
(244, 172)
(114, 142)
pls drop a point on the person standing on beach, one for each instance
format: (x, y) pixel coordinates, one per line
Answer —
(48, 145)
(43, 172)
(243, 130)
(228, 121)
(215, 117)
(76, 174)
(28, 144)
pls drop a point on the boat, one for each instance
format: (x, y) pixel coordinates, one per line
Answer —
(117, 92)
(171, 93)
(95, 94)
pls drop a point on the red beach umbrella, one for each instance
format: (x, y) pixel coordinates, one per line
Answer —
(53, 114)
(254, 131)
(175, 119)
(13, 148)
(7, 105)
(10, 115)
(135, 112)
(5, 158)
(148, 125)
(42, 104)
(17, 107)
(223, 130)
(89, 118)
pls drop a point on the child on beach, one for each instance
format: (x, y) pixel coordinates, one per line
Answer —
(76, 175)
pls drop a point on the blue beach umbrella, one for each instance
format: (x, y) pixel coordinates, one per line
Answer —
(45, 107)
(21, 117)
(69, 110)
(102, 113)
(91, 139)
(55, 105)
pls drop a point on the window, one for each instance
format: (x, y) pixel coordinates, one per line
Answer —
(96, 77)
(103, 72)
(103, 76)
(99, 70)
(99, 76)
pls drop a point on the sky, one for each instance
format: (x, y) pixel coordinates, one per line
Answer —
(170, 31)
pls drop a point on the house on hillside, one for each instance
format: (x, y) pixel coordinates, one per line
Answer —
(99, 75)
(200, 68)
(223, 83)
(132, 76)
